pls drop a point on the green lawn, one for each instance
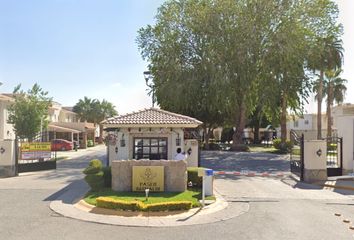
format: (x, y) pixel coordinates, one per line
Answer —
(193, 195)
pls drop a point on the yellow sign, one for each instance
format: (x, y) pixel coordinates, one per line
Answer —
(35, 146)
(151, 177)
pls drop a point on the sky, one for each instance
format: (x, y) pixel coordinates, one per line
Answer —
(77, 48)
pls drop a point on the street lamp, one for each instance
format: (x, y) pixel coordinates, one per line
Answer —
(150, 84)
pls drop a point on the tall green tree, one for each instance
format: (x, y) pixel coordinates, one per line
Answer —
(334, 91)
(211, 58)
(329, 56)
(29, 112)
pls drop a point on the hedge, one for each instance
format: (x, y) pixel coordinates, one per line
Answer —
(94, 175)
(107, 176)
(94, 167)
(168, 206)
(192, 173)
(110, 203)
(95, 181)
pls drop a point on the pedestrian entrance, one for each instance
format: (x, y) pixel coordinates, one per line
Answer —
(297, 155)
(334, 156)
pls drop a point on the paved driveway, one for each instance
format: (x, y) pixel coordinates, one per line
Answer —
(244, 161)
(278, 209)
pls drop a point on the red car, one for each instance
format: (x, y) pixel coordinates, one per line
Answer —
(61, 145)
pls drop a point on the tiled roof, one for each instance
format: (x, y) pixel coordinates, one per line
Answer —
(152, 116)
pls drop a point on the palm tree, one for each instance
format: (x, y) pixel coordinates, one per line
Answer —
(334, 88)
(85, 108)
(107, 110)
(328, 54)
(94, 111)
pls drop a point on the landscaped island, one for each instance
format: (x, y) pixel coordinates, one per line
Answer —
(101, 195)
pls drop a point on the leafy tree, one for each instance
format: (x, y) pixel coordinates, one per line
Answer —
(29, 112)
(211, 58)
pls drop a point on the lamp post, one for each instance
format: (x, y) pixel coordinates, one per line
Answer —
(150, 84)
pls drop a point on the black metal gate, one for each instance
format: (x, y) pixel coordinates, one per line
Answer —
(334, 156)
(297, 155)
(39, 162)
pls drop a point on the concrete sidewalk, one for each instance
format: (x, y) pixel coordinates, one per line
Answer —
(66, 203)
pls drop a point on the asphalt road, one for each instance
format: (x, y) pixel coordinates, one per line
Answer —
(279, 209)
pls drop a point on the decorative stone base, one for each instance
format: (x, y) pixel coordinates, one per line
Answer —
(7, 171)
(347, 171)
(314, 175)
(175, 174)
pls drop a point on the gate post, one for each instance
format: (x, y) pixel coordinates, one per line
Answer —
(315, 160)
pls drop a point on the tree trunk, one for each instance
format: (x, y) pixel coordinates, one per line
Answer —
(256, 133)
(206, 138)
(329, 114)
(283, 113)
(319, 107)
(100, 140)
(240, 126)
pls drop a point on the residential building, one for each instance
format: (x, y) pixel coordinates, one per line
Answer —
(63, 124)
(6, 129)
(307, 125)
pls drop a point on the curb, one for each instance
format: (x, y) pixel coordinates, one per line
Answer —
(251, 174)
(338, 187)
(67, 206)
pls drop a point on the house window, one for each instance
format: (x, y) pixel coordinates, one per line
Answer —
(150, 148)
(306, 122)
(296, 124)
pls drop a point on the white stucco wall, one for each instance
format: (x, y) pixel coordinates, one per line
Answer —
(311, 160)
(126, 152)
(6, 130)
(345, 126)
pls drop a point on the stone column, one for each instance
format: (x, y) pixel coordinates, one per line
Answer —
(315, 160)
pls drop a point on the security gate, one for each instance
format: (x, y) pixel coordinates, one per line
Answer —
(334, 156)
(297, 155)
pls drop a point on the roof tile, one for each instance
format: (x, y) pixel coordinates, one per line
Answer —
(152, 116)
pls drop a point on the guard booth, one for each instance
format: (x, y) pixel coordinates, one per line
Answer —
(153, 134)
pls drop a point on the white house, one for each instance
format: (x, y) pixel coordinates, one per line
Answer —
(151, 134)
(343, 119)
(6, 129)
(307, 125)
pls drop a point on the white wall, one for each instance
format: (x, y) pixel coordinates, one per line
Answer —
(126, 152)
(345, 126)
(312, 161)
(6, 130)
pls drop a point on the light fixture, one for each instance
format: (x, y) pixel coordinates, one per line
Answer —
(178, 140)
(122, 141)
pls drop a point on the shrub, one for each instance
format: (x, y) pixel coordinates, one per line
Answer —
(107, 176)
(282, 147)
(94, 167)
(192, 173)
(110, 203)
(168, 206)
(95, 181)
(94, 175)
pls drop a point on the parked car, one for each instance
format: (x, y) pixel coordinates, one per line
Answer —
(61, 145)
